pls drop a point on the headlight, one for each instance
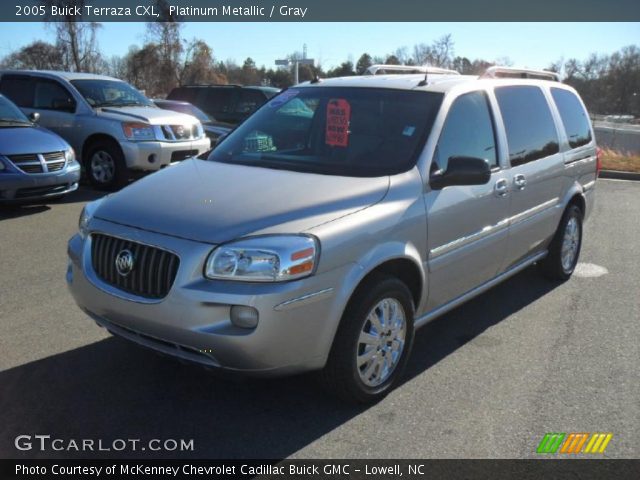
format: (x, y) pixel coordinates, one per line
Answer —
(271, 258)
(86, 216)
(83, 223)
(70, 155)
(138, 131)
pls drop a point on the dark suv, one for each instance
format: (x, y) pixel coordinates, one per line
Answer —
(226, 103)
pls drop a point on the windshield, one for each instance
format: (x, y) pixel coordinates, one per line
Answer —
(361, 132)
(186, 108)
(9, 113)
(110, 93)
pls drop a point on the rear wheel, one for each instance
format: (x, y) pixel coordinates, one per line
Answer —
(564, 249)
(373, 342)
(105, 165)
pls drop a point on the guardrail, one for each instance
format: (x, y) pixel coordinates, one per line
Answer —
(621, 137)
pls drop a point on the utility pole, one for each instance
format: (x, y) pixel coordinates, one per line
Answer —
(285, 62)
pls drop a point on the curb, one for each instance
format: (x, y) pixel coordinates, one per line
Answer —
(619, 175)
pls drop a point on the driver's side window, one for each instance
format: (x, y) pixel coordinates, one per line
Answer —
(467, 132)
(50, 95)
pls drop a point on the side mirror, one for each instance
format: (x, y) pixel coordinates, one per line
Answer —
(34, 117)
(461, 171)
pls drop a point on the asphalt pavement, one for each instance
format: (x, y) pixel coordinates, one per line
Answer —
(489, 379)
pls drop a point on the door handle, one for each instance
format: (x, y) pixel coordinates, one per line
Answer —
(502, 187)
(520, 181)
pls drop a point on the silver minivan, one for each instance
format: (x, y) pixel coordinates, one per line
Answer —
(339, 218)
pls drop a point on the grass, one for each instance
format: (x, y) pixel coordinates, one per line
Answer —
(620, 161)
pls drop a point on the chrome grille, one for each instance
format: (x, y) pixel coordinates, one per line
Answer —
(180, 133)
(53, 156)
(154, 269)
(31, 168)
(31, 157)
(39, 163)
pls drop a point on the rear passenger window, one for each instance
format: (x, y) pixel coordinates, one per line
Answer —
(531, 133)
(249, 101)
(574, 117)
(184, 94)
(467, 131)
(217, 100)
(18, 89)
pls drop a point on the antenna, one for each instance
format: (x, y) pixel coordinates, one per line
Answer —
(423, 82)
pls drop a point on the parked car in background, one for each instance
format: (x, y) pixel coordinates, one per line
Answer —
(339, 218)
(212, 128)
(112, 126)
(34, 163)
(226, 103)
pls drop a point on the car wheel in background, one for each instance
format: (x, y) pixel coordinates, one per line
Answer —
(105, 165)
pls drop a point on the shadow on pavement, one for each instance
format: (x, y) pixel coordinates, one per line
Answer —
(112, 389)
(16, 211)
(83, 194)
(31, 207)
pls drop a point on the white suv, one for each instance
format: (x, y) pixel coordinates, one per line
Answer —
(112, 126)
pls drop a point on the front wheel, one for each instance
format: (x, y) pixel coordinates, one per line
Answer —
(373, 342)
(564, 249)
(105, 165)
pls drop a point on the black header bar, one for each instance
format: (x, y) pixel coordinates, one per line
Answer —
(324, 10)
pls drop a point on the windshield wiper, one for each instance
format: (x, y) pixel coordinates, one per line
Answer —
(15, 120)
(111, 104)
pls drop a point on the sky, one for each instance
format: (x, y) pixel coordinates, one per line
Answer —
(532, 45)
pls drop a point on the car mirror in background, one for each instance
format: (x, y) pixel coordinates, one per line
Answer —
(34, 117)
(461, 171)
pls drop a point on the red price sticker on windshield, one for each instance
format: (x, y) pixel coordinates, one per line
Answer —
(338, 117)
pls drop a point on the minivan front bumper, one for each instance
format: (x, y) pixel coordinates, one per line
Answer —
(297, 320)
(18, 187)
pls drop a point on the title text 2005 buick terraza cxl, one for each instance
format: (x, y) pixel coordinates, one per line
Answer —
(337, 219)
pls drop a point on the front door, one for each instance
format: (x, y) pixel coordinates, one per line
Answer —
(56, 107)
(467, 227)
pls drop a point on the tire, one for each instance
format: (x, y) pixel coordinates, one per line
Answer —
(570, 231)
(342, 376)
(105, 165)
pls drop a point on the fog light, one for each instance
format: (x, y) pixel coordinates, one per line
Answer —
(152, 158)
(244, 317)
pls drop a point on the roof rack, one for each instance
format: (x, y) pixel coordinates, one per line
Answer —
(381, 69)
(510, 72)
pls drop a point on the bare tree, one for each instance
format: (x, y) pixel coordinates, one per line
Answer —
(36, 56)
(166, 35)
(438, 54)
(76, 39)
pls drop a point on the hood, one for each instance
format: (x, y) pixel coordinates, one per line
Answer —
(216, 129)
(214, 202)
(150, 115)
(25, 140)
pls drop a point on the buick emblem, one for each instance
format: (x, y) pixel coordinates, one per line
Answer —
(124, 262)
